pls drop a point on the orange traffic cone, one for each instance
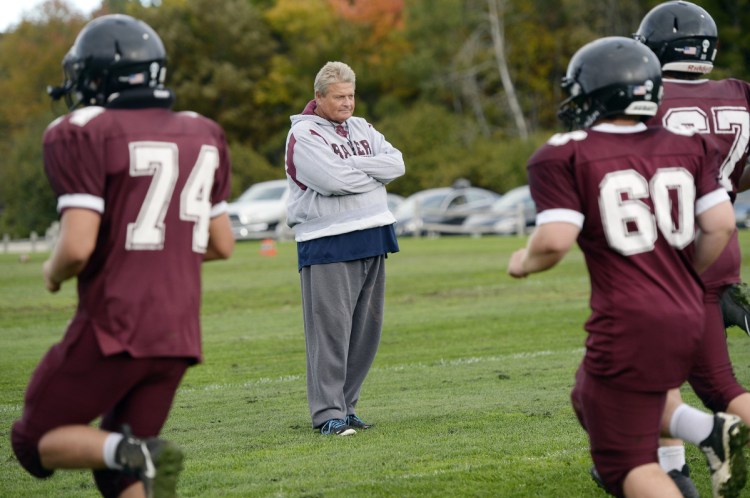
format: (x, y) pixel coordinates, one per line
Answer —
(268, 247)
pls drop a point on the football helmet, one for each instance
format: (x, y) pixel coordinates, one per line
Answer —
(612, 76)
(111, 54)
(682, 35)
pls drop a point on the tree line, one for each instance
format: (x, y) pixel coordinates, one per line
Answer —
(464, 88)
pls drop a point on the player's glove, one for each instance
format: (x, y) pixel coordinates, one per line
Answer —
(735, 306)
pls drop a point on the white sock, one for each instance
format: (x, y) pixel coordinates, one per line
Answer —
(109, 450)
(672, 457)
(691, 424)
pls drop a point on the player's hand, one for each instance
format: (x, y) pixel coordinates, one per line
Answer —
(49, 283)
(515, 265)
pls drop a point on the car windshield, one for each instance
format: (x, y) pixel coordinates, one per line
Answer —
(263, 193)
(511, 199)
(433, 200)
(429, 200)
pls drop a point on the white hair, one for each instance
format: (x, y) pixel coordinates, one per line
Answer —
(333, 72)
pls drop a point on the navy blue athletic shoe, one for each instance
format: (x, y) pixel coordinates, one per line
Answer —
(356, 422)
(336, 427)
(682, 479)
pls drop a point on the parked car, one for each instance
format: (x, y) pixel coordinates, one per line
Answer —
(513, 212)
(394, 201)
(441, 210)
(742, 209)
(260, 212)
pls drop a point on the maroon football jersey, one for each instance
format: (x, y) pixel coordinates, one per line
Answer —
(720, 110)
(635, 192)
(157, 177)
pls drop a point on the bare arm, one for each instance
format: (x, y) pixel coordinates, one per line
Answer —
(547, 245)
(78, 232)
(716, 228)
(220, 238)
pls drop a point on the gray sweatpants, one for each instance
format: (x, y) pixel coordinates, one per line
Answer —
(342, 305)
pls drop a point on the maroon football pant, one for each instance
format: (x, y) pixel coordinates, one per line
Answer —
(712, 377)
(623, 427)
(74, 384)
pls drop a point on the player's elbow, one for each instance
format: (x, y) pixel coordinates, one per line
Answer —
(224, 249)
(555, 239)
(76, 253)
(725, 233)
(220, 238)
(728, 229)
(555, 248)
(719, 221)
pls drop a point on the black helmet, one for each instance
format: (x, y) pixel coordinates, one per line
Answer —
(612, 76)
(112, 53)
(682, 35)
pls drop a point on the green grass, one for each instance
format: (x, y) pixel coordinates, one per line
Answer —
(469, 391)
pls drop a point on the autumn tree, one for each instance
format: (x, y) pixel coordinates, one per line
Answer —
(30, 60)
(448, 82)
(217, 58)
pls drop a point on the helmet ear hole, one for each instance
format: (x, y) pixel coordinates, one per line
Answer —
(111, 54)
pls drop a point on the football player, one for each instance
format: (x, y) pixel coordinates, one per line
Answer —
(634, 198)
(141, 191)
(684, 37)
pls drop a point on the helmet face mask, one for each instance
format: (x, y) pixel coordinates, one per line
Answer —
(682, 35)
(111, 54)
(611, 77)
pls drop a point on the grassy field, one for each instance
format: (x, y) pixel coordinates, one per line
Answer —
(469, 391)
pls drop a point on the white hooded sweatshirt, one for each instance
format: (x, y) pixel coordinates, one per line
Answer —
(337, 175)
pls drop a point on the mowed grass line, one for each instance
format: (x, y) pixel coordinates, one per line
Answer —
(469, 391)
